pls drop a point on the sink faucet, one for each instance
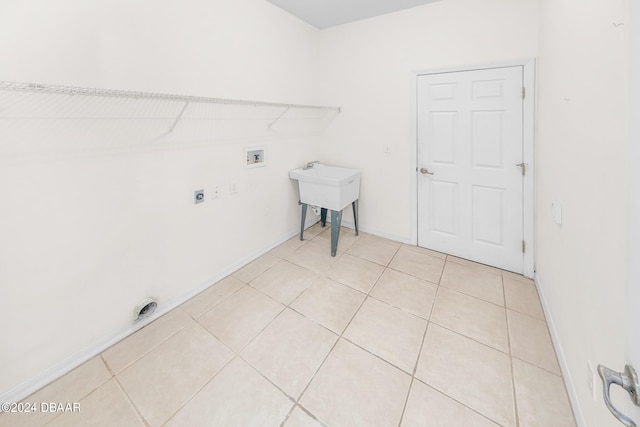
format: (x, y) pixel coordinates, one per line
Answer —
(310, 165)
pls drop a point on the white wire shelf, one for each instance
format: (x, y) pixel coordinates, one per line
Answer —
(73, 90)
(42, 119)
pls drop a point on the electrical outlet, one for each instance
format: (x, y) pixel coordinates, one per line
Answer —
(556, 212)
(198, 196)
(591, 379)
(217, 192)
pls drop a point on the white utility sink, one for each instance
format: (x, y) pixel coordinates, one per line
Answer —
(328, 187)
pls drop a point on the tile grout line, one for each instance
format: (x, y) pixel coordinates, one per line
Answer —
(286, 306)
(254, 337)
(413, 275)
(340, 336)
(257, 371)
(306, 411)
(414, 378)
(237, 354)
(552, 346)
(507, 352)
(513, 378)
(216, 304)
(124, 390)
(484, 344)
(131, 402)
(520, 359)
(351, 286)
(496, 271)
(304, 390)
(106, 365)
(472, 296)
(368, 295)
(290, 251)
(305, 282)
(404, 371)
(150, 349)
(415, 366)
(246, 282)
(315, 322)
(289, 412)
(112, 376)
(486, 417)
(186, 402)
(333, 260)
(468, 294)
(400, 308)
(527, 315)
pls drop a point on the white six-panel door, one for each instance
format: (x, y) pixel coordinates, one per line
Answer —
(470, 141)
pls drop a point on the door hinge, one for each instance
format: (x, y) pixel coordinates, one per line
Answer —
(524, 92)
(524, 246)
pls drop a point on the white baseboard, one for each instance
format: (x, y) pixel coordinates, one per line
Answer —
(376, 232)
(562, 361)
(58, 370)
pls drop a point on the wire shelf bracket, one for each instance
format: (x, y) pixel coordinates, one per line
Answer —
(278, 118)
(175, 123)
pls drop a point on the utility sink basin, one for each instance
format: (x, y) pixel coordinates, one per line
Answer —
(328, 187)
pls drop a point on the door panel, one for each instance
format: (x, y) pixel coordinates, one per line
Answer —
(443, 133)
(470, 198)
(444, 214)
(487, 89)
(488, 212)
(486, 134)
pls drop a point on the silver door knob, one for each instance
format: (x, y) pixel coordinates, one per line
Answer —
(425, 171)
(628, 380)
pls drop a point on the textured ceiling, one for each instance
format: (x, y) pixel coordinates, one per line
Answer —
(327, 13)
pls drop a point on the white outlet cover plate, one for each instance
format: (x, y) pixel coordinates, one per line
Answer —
(556, 212)
(250, 151)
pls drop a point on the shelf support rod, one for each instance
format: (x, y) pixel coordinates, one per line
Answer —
(279, 117)
(175, 123)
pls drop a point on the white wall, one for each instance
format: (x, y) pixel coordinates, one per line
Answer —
(633, 248)
(86, 235)
(368, 67)
(228, 49)
(581, 163)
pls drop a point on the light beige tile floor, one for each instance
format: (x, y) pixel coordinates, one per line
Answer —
(384, 334)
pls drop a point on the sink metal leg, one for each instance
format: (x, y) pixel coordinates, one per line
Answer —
(304, 216)
(336, 219)
(323, 216)
(354, 205)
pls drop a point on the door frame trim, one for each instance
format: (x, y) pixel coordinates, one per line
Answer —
(528, 130)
